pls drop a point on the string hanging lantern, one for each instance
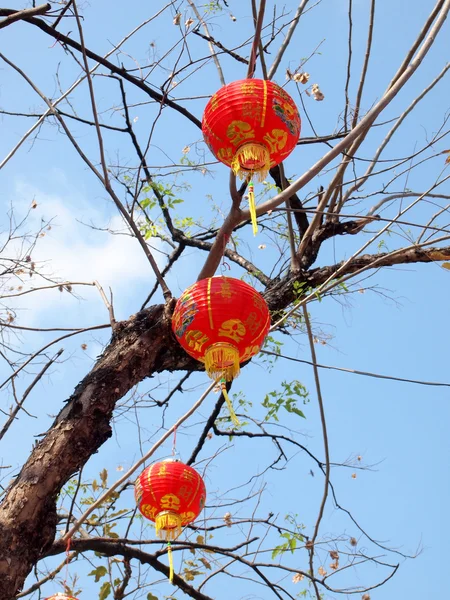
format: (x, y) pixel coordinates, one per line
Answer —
(251, 125)
(222, 322)
(172, 495)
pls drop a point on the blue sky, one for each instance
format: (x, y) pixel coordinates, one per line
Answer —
(399, 329)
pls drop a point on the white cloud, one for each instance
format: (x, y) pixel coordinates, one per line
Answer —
(72, 251)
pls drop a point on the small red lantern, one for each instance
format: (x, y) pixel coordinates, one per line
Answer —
(251, 125)
(171, 494)
(221, 322)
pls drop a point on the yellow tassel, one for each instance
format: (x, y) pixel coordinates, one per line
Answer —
(230, 406)
(222, 360)
(168, 525)
(251, 158)
(252, 207)
(169, 554)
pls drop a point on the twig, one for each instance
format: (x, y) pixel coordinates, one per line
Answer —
(326, 450)
(295, 265)
(356, 372)
(25, 14)
(108, 304)
(211, 47)
(365, 65)
(287, 39)
(210, 39)
(19, 405)
(63, 337)
(256, 40)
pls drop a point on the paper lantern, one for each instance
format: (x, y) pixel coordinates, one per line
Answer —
(251, 125)
(221, 322)
(171, 494)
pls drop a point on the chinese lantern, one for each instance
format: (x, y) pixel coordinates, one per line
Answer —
(251, 125)
(61, 596)
(172, 495)
(221, 322)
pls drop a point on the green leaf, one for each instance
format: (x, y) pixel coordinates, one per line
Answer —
(151, 597)
(104, 478)
(99, 572)
(446, 265)
(105, 591)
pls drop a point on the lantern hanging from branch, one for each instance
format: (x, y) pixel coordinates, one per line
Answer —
(222, 322)
(172, 495)
(251, 125)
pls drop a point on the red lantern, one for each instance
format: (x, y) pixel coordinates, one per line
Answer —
(171, 494)
(251, 125)
(221, 322)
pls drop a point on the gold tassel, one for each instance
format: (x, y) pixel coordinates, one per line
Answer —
(251, 158)
(169, 554)
(168, 525)
(230, 406)
(222, 360)
(252, 206)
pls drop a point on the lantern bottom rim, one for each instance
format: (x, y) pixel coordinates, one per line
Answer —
(222, 361)
(251, 159)
(168, 525)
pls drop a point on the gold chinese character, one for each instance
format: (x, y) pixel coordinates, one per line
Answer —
(188, 475)
(170, 502)
(258, 302)
(149, 511)
(187, 517)
(276, 139)
(252, 110)
(248, 88)
(238, 131)
(248, 353)
(253, 322)
(196, 339)
(185, 492)
(226, 290)
(225, 155)
(233, 329)
(162, 470)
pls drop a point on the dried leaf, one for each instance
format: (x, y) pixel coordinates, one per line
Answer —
(189, 22)
(297, 578)
(176, 19)
(446, 265)
(316, 92)
(302, 78)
